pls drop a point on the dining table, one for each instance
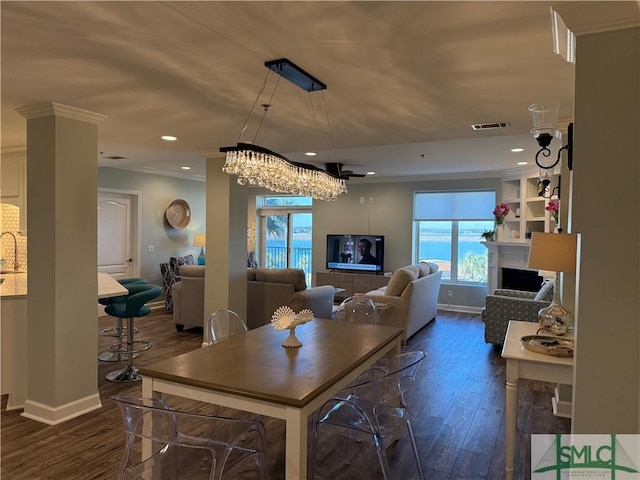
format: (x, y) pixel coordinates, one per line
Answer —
(253, 372)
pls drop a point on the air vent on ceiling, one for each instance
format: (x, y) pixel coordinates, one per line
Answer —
(489, 126)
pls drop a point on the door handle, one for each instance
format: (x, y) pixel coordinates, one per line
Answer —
(129, 260)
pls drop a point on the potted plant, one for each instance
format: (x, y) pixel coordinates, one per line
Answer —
(488, 235)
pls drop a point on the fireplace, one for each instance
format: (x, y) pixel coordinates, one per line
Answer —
(511, 258)
(516, 279)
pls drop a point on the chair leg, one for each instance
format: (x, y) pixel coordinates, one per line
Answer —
(414, 446)
(130, 372)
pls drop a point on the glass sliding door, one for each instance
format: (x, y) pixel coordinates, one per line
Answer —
(285, 240)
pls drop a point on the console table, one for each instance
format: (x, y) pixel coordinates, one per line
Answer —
(522, 363)
(352, 282)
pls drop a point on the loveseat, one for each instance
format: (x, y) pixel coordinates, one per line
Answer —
(268, 289)
(410, 299)
(506, 305)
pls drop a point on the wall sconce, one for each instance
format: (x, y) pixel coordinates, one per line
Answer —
(545, 121)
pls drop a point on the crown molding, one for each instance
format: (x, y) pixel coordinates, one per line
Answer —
(60, 110)
(586, 17)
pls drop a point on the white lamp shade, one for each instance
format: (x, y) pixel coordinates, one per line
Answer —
(553, 251)
(199, 239)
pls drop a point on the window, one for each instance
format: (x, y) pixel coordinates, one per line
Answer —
(447, 229)
(286, 227)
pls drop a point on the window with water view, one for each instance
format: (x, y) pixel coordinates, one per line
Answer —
(448, 226)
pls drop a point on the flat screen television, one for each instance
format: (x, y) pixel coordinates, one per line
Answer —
(360, 253)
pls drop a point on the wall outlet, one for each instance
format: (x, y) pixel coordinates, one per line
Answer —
(450, 293)
(361, 199)
(151, 249)
(370, 199)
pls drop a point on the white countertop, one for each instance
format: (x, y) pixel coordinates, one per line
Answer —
(13, 285)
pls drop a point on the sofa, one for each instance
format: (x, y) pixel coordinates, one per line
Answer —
(188, 297)
(170, 275)
(506, 305)
(268, 289)
(410, 299)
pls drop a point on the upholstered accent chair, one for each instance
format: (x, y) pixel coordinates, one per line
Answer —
(170, 275)
(506, 305)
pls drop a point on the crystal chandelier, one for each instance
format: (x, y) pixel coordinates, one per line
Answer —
(259, 166)
(255, 165)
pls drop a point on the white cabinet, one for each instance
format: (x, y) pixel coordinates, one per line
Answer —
(527, 209)
(13, 181)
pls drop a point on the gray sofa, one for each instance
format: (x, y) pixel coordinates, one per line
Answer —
(268, 289)
(410, 300)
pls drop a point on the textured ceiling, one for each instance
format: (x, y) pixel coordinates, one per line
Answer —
(405, 79)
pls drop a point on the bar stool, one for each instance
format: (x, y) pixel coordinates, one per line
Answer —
(133, 307)
(118, 331)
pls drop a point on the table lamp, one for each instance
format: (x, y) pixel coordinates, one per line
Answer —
(555, 252)
(200, 240)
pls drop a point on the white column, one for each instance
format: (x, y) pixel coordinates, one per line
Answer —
(62, 325)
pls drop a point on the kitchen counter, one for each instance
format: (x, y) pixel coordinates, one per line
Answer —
(14, 285)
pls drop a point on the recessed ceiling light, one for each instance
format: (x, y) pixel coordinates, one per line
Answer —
(169, 138)
(185, 168)
(522, 163)
(517, 150)
(310, 154)
(371, 173)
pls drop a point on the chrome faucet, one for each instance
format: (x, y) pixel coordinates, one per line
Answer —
(15, 249)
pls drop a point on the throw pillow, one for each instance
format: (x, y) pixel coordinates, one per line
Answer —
(293, 276)
(399, 280)
(545, 294)
(424, 269)
(175, 262)
(251, 274)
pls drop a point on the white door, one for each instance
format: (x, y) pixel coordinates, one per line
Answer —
(116, 253)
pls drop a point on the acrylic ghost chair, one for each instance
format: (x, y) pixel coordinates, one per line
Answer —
(357, 309)
(119, 331)
(374, 411)
(222, 324)
(169, 444)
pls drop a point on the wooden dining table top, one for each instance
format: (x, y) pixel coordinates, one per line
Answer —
(256, 365)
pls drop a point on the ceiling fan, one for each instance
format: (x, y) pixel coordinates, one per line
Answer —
(336, 170)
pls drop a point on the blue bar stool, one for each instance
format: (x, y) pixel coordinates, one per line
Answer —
(133, 307)
(118, 331)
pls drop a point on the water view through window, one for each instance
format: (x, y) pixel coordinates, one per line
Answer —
(455, 246)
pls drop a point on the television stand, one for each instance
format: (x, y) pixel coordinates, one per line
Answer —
(352, 282)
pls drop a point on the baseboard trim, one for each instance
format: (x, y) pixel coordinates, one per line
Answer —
(56, 415)
(460, 308)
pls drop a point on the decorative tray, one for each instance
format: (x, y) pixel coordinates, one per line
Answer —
(178, 214)
(547, 345)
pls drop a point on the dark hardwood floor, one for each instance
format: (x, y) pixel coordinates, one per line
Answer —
(457, 407)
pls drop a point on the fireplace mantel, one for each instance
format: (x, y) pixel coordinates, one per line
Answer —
(514, 254)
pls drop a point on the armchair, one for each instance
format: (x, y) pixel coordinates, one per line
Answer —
(506, 305)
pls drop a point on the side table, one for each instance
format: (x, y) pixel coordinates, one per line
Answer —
(522, 363)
